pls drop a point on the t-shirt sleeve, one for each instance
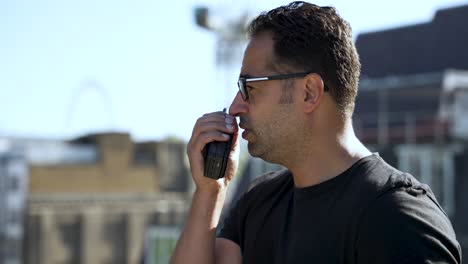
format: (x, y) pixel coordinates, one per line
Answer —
(406, 226)
(233, 224)
(230, 226)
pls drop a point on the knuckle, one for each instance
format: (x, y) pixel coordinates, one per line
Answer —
(209, 137)
(205, 136)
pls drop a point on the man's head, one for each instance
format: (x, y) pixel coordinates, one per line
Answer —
(309, 38)
(314, 45)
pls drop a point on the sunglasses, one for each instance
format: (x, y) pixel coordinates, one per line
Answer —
(242, 82)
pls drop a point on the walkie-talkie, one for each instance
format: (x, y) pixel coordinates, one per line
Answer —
(216, 157)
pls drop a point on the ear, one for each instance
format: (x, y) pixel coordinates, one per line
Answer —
(313, 92)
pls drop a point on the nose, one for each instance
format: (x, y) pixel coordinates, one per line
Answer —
(238, 106)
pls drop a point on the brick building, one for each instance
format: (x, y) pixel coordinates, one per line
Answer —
(93, 198)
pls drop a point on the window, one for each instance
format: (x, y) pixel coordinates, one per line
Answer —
(13, 183)
(434, 166)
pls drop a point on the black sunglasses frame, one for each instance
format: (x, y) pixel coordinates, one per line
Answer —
(242, 82)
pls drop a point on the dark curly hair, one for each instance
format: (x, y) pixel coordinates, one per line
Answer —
(308, 37)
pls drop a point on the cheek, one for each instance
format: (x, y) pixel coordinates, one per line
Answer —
(265, 126)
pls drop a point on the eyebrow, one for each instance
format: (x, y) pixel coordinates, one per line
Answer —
(245, 76)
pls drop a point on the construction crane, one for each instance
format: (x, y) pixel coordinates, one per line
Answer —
(228, 23)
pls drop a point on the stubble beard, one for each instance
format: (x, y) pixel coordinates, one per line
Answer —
(271, 138)
(272, 141)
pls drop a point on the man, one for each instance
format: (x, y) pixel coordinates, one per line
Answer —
(336, 202)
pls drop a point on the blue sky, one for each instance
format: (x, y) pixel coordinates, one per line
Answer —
(143, 67)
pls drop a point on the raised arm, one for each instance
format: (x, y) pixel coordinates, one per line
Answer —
(198, 243)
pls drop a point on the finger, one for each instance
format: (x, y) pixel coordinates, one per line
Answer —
(217, 116)
(218, 113)
(204, 138)
(225, 124)
(211, 118)
(216, 126)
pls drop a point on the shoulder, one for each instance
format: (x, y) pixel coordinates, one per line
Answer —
(376, 177)
(406, 225)
(400, 220)
(385, 185)
(410, 205)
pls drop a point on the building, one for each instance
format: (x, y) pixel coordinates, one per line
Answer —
(13, 184)
(92, 199)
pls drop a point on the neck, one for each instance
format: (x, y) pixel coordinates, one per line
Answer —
(326, 155)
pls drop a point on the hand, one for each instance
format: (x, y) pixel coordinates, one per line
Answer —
(217, 126)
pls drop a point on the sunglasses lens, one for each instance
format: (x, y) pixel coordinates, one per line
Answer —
(242, 89)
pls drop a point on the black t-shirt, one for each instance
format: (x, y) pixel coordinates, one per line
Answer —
(371, 213)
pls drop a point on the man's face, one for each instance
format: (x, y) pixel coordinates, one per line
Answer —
(268, 115)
